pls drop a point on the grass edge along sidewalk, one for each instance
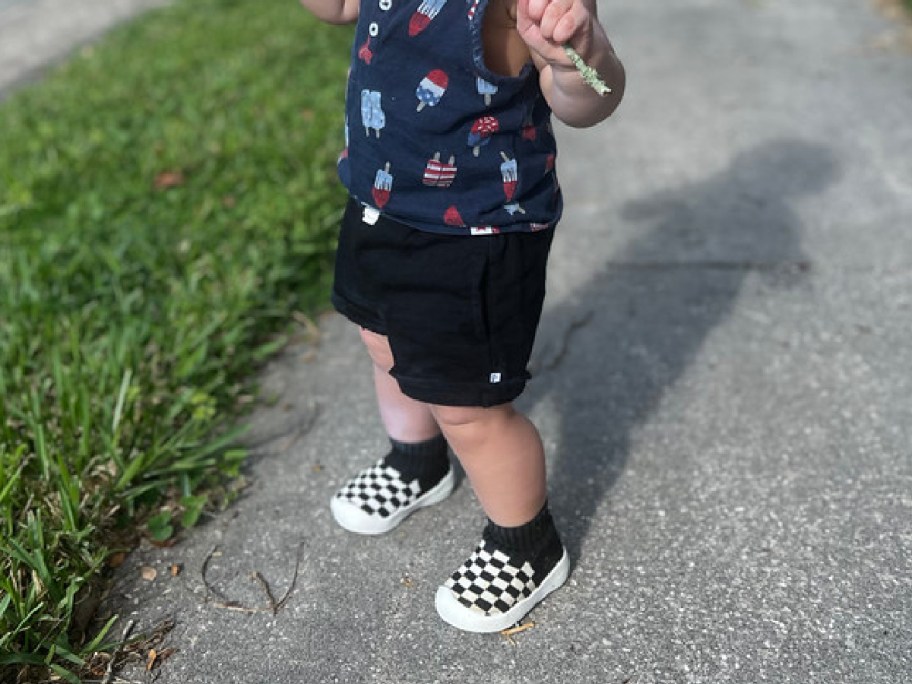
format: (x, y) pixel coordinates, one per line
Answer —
(167, 199)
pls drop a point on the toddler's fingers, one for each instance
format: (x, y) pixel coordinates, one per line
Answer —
(534, 8)
(553, 14)
(570, 23)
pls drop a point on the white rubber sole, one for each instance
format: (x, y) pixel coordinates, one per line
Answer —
(468, 620)
(354, 519)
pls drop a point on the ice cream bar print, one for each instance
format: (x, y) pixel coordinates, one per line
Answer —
(509, 173)
(485, 88)
(431, 88)
(427, 10)
(372, 116)
(440, 174)
(481, 131)
(383, 184)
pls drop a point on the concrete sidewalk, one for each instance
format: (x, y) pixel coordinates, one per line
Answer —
(36, 33)
(722, 384)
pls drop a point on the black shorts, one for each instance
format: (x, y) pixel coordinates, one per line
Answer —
(460, 312)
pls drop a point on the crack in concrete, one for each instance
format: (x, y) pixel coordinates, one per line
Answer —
(557, 358)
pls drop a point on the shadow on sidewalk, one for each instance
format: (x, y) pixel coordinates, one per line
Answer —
(607, 356)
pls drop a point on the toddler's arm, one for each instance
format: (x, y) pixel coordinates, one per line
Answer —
(334, 11)
(545, 26)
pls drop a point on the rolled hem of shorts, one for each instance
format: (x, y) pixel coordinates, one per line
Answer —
(459, 393)
(357, 314)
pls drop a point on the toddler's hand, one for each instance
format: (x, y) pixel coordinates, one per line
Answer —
(547, 25)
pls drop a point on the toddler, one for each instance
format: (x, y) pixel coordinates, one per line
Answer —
(450, 168)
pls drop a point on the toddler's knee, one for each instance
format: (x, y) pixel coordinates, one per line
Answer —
(378, 348)
(454, 417)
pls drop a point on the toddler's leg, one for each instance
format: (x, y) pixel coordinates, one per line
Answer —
(520, 559)
(415, 473)
(501, 452)
(405, 419)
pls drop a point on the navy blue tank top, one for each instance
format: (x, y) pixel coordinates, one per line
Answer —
(436, 140)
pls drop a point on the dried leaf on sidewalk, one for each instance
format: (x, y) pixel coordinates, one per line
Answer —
(115, 560)
(164, 654)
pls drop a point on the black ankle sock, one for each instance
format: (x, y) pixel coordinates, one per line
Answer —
(425, 461)
(536, 541)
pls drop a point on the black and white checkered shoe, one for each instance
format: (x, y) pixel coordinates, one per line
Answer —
(377, 499)
(492, 590)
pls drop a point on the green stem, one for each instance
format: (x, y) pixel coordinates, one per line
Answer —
(589, 74)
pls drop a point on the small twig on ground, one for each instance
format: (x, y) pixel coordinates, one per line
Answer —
(206, 584)
(274, 605)
(224, 601)
(125, 652)
(156, 637)
(294, 579)
(238, 607)
(109, 673)
(509, 632)
(272, 602)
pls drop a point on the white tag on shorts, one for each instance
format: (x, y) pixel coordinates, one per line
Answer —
(370, 215)
(495, 377)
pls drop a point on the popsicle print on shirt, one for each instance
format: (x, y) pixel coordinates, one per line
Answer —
(485, 89)
(372, 116)
(383, 186)
(431, 88)
(438, 173)
(426, 11)
(509, 173)
(481, 131)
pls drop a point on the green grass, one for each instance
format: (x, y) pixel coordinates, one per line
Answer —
(167, 199)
